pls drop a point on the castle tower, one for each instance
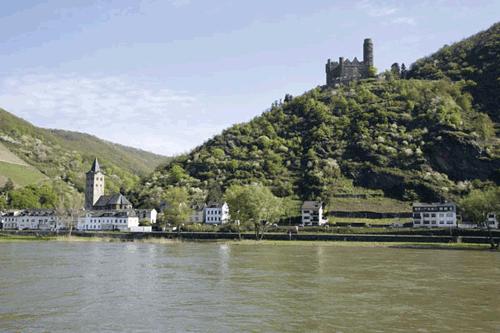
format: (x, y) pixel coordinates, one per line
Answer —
(368, 53)
(94, 186)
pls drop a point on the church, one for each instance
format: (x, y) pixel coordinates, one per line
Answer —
(110, 212)
(94, 192)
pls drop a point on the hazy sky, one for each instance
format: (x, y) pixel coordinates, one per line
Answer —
(167, 75)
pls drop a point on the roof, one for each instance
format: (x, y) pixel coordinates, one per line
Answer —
(112, 213)
(433, 204)
(95, 166)
(114, 199)
(32, 212)
(312, 204)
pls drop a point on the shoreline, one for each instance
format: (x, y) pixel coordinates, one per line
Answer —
(6, 238)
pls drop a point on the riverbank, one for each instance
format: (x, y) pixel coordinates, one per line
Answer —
(6, 238)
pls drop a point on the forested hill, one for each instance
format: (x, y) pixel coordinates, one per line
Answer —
(29, 154)
(412, 139)
(476, 60)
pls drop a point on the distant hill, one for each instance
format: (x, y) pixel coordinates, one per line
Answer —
(423, 138)
(29, 154)
(406, 139)
(474, 59)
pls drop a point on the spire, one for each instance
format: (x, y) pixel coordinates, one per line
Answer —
(95, 166)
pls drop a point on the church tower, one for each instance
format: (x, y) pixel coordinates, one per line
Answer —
(94, 186)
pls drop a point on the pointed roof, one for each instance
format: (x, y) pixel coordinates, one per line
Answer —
(95, 166)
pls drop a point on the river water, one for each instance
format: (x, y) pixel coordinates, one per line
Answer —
(216, 287)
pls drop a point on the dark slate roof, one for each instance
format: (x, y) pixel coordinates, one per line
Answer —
(95, 166)
(114, 199)
(312, 204)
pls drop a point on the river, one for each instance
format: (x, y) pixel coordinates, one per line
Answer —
(217, 287)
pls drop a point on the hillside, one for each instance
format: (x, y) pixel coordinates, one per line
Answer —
(63, 155)
(406, 139)
(475, 60)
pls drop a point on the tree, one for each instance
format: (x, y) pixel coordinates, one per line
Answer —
(478, 204)
(214, 192)
(3, 201)
(68, 210)
(372, 71)
(404, 72)
(177, 209)
(8, 186)
(255, 204)
(395, 70)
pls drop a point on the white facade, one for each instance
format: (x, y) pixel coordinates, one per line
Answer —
(108, 220)
(32, 220)
(492, 220)
(312, 213)
(147, 215)
(217, 214)
(430, 215)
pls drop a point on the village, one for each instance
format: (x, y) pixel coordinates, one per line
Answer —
(116, 213)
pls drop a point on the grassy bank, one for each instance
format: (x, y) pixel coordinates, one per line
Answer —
(20, 238)
(5, 238)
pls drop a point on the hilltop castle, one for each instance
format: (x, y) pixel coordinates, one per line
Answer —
(345, 71)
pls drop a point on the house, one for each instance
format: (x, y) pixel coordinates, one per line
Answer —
(33, 219)
(9, 219)
(216, 213)
(147, 215)
(430, 215)
(98, 220)
(492, 220)
(312, 213)
(198, 213)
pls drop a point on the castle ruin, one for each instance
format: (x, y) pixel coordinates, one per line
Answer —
(345, 71)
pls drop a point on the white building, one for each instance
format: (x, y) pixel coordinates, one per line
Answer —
(492, 220)
(217, 213)
(430, 215)
(147, 215)
(122, 220)
(312, 213)
(32, 219)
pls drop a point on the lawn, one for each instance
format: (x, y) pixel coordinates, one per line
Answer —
(21, 175)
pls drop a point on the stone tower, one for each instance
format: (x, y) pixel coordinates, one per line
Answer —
(94, 186)
(345, 70)
(368, 52)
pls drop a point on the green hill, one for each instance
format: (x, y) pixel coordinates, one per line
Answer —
(409, 139)
(475, 60)
(415, 139)
(66, 156)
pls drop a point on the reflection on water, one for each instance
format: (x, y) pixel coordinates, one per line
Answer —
(214, 287)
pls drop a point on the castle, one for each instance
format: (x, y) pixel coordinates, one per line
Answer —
(345, 71)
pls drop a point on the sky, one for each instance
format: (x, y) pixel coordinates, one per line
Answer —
(166, 75)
